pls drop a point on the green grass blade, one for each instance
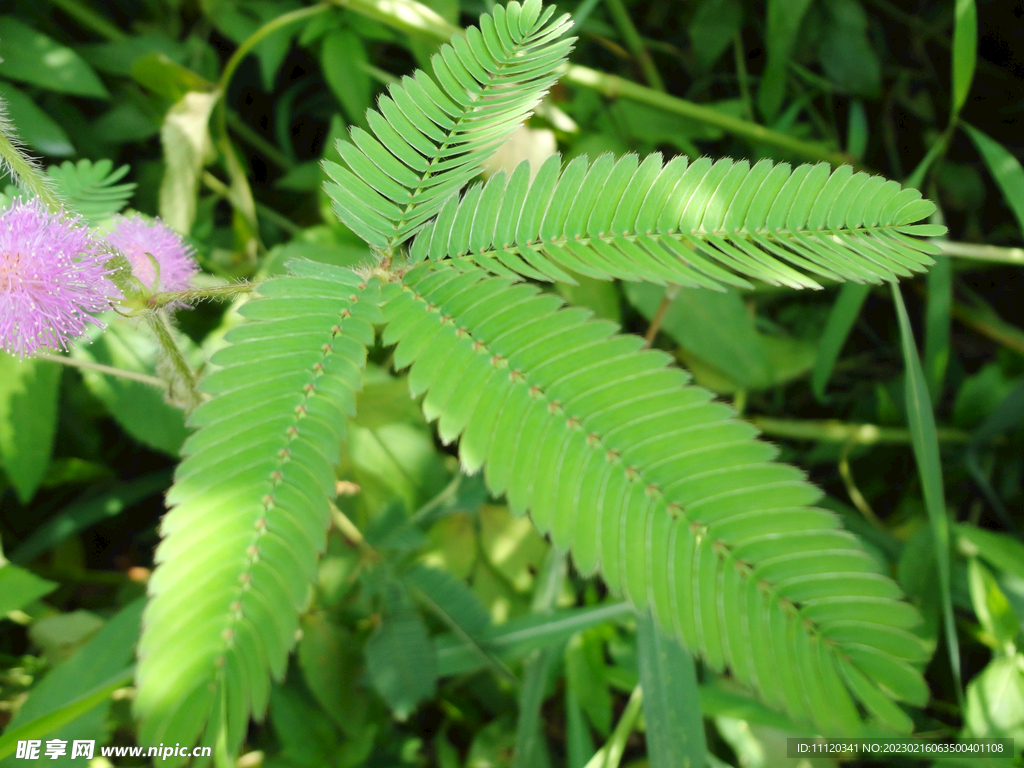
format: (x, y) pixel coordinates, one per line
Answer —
(675, 726)
(1005, 169)
(837, 329)
(965, 52)
(938, 318)
(921, 420)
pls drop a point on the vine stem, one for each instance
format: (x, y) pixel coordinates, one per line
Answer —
(109, 370)
(659, 315)
(635, 44)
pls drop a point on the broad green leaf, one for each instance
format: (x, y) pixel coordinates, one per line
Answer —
(783, 24)
(991, 606)
(187, 147)
(31, 57)
(305, 735)
(19, 587)
(28, 421)
(33, 125)
(139, 408)
(343, 60)
(672, 707)
(921, 419)
(450, 598)
(579, 743)
(166, 77)
(1005, 169)
(66, 704)
(965, 51)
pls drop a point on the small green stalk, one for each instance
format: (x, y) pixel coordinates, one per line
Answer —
(24, 169)
(181, 371)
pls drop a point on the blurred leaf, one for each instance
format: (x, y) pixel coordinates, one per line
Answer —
(401, 659)
(117, 57)
(991, 606)
(857, 130)
(125, 123)
(783, 23)
(31, 57)
(331, 664)
(714, 327)
(139, 408)
(33, 125)
(999, 549)
(19, 587)
(845, 51)
(238, 20)
(166, 77)
(97, 669)
(980, 394)
(28, 421)
(520, 635)
(675, 726)
(80, 515)
(187, 147)
(61, 714)
(995, 701)
(965, 52)
(584, 675)
(343, 59)
(601, 297)
(89, 188)
(938, 318)
(921, 419)
(579, 743)
(60, 636)
(712, 29)
(451, 598)
(305, 735)
(1004, 167)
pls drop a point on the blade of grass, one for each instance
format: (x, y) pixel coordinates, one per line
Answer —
(530, 748)
(675, 725)
(79, 516)
(837, 329)
(610, 755)
(938, 318)
(965, 53)
(921, 419)
(1005, 169)
(51, 721)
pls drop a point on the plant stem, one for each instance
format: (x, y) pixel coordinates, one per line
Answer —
(182, 370)
(23, 168)
(410, 16)
(109, 370)
(834, 431)
(610, 755)
(636, 46)
(981, 252)
(158, 300)
(659, 315)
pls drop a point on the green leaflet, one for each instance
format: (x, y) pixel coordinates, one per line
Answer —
(706, 225)
(249, 506)
(431, 135)
(646, 479)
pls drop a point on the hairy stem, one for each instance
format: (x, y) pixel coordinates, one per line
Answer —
(109, 370)
(179, 366)
(158, 300)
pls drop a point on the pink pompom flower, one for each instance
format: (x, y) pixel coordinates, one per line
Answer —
(138, 239)
(52, 278)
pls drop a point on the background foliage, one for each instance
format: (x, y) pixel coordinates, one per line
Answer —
(444, 631)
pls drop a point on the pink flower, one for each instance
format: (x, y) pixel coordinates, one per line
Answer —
(51, 278)
(138, 239)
